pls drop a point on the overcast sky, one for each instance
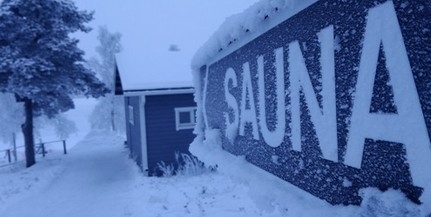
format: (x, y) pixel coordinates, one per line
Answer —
(150, 27)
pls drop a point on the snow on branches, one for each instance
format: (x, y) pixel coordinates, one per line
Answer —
(39, 60)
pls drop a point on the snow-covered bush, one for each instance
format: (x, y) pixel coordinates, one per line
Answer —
(168, 170)
(188, 165)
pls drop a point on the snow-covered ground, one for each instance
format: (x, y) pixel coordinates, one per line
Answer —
(97, 178)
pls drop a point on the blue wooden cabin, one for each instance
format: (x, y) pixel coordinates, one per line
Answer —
(160, 121)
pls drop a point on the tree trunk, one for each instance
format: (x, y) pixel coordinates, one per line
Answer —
(113, 121)
(113, 115)
(27, 130)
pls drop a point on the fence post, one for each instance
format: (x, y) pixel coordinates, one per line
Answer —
(64, 147)
(15, 155)
(43, 149)
(8, 156)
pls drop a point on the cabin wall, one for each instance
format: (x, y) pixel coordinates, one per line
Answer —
(133, 128)
(163, 140)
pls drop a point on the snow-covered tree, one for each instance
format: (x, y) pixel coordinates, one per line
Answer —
(40, 63)
(109, 112)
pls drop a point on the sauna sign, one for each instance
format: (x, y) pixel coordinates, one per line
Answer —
(332, 100)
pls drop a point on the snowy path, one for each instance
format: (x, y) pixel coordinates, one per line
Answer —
(97, 179)
(93, 174)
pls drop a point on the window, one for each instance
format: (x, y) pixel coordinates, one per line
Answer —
(131, 116)
(185, 118)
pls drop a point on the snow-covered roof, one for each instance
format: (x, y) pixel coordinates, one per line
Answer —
(159, 37)
(241, 28)
(130, 81)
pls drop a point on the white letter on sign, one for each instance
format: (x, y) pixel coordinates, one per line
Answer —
(248, 115)
(408, 125)
(272, 138)
(231, 127)
(324, 120)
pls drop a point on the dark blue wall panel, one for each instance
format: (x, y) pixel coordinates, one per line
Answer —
(134, 130)
(384, 164)
(163, 140)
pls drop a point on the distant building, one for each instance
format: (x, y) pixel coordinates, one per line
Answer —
(159, 122)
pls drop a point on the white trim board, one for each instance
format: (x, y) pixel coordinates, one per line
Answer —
(158, 92)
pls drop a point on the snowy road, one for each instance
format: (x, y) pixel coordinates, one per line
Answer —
(94, 174)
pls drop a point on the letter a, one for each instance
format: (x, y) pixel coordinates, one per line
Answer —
(408, 125)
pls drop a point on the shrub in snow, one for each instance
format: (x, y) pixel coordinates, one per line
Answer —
(391, 203)
(167, 170)
(188, 165)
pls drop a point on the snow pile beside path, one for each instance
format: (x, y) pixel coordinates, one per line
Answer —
(272, 194)
(241, 28)
(18, 182)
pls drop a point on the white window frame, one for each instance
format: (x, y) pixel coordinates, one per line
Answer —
(185, 126)
(131, 115)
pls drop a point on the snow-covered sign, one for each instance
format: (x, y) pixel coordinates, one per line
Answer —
(334, 99)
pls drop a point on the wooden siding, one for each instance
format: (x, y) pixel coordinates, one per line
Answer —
(134, 130)
(163, 140)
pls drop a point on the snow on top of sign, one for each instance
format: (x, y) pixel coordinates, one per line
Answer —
(241, 28)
